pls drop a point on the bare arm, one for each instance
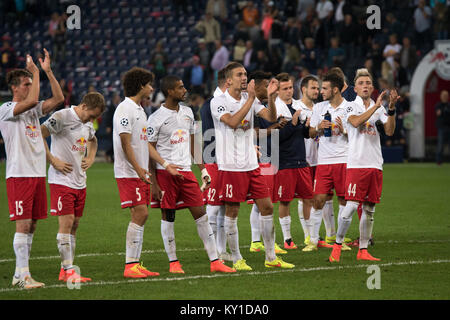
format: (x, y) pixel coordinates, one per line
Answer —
(233, 121)
(61, 166)
(33, 95)
(389, 126)
(270, 114)
(57, 94)
(125, 139)
(88, 161)
(356, 121)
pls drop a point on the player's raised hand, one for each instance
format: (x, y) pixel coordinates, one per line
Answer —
(272, 88)
(61, 166)
(380, 99)
(251, 88)
(144, 175)
(46, 63)
(393, 97)
(30, 64)
(86, 163)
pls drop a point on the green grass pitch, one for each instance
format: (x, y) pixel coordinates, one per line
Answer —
(411, 232)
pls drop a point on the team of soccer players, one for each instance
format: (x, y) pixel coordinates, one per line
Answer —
(299, 150)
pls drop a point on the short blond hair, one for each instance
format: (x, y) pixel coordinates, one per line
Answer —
(363, 72)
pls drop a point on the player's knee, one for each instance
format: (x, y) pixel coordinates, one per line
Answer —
(267, 209)
(349, 209)
(369, 208)
(319, 203)
(170, 215)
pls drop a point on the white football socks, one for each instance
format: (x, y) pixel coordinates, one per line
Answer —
(255, 224)
(134, 239)
(285, 223)
(315, 221)
(365, 227)
(345, 219)
(328, 218)
(20, 245)
(221, 238)
(268, 235)
(65, 250)
(206, 234)
(303, 222)
(231, 231)
(168, 236)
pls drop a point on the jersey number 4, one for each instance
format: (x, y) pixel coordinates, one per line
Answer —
(351, 190)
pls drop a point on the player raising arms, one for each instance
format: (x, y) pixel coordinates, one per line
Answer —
(25, 158)
(233, 115)
(131, 164)
(364, 176)
(171, 132)
(327, 122)
(72, 133)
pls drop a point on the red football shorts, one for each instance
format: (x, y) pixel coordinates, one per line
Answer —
(268, 172)
(211, 194)
(329, 177)
(65, 200)
(239, 186)
(27, 198)
(178, 193)
(364, 184)
(133, 192)
(293, 183)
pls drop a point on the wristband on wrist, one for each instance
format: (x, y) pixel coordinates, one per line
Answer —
(391, 112)
(165, 164)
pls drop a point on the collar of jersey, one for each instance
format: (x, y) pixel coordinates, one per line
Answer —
(131, 101)
(360, 102)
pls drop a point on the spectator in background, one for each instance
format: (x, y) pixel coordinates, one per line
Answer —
(303, 7)
(193, 78)
(392, 49)
(69, 98)
(239, 51)
(8, 57)
(57, 31)
(324, 10)
(376, 54)
(108, 118)
(441, 17)
(400, 74)
(220, 58)
(442, 110)
(195, 102)
(53, 24)
(250, 20)
(336, 54)
(218, 9)
(205, 59)
(310, 56)
(348, 36)
(159, 61)
(318, 33)
(392, 25)
(262, 61)
(342, 8)
(249, 56)
(422, 24)
(210, 30)
(408, 57)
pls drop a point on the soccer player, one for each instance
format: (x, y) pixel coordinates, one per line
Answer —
(332, 155)
(171, 132)
(215, 207)
(364, 176)
(262, 80)
(293, 178)
(131, 164)
(310, 92)
(72, 132)
(233, 115)
(25, 154)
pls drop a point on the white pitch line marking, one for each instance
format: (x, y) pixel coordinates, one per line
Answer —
(239, 274)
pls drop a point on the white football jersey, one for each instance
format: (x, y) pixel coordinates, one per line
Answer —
(282, 109)
(311, 145)
(332, 149)
(24, 146)
(364, 148)
(235, 148)
(171, 130)
(130, 118)
(69, 142)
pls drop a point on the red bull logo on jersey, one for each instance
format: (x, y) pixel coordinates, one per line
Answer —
(368, 128)
(143, 135)
(179, 136)
(244, 125)
(80, 145)
(31, 131)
